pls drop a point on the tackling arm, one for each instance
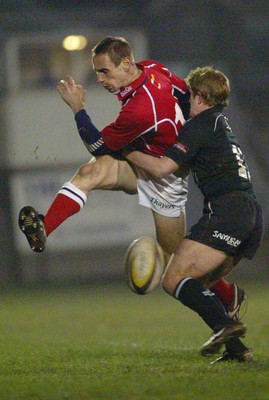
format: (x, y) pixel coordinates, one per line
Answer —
(156, 167)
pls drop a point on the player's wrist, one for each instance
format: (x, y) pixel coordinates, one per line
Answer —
(77, 107)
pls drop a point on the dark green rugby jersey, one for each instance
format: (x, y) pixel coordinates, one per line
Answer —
(207, 146)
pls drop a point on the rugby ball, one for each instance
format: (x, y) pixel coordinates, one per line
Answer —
(144, 265)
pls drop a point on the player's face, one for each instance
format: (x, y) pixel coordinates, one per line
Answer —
(111, 77)
(195, 101)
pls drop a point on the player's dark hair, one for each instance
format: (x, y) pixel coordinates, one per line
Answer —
(212, 84)
(116, 47)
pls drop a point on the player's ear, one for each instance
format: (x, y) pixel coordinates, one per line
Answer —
(126, 62)
(200, 97)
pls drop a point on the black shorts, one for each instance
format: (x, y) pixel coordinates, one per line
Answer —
(232, 223)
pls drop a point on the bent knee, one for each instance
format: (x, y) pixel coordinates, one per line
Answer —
(169, 282)
(88, 170)
(100, 174)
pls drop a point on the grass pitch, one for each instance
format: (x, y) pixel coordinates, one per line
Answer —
(107, 343)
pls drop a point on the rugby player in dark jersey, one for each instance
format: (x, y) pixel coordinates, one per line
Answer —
(231, 226)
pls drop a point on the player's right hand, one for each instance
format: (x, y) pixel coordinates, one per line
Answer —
(74, 95)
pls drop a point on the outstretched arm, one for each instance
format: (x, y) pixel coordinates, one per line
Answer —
(157, 167)
(75, 97)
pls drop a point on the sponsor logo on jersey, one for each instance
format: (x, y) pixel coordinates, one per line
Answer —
(181, 147)
(160, 204)
(227, 238)
(125, 91)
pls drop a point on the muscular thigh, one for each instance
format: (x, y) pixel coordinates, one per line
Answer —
(126, 178)
(170, 232)
(106, 173)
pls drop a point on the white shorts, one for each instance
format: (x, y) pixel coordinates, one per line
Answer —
(166, 196)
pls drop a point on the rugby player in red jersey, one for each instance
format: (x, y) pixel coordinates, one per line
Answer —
(154, 106)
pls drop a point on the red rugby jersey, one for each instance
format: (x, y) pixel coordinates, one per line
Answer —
(150, 114)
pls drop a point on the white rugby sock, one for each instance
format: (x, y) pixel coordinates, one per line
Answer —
(74, 193)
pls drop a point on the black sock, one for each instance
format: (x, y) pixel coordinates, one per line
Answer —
(193, 295)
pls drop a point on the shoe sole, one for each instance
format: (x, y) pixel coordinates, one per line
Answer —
(240, 297)
(32, 227)
(244, 357)
(215, 343)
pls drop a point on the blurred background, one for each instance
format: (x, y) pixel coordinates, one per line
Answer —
(43, 41)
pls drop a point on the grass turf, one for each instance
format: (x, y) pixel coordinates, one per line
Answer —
(106, 343)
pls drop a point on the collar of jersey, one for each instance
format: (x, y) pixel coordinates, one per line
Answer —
(126, 91)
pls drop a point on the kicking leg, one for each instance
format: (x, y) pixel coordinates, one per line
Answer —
(102, 173)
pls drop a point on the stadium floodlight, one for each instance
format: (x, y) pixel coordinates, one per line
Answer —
(75, 42)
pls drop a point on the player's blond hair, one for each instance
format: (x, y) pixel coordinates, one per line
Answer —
(212, 84)
(116, 47)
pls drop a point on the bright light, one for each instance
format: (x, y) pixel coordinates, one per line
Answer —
(74, 42)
